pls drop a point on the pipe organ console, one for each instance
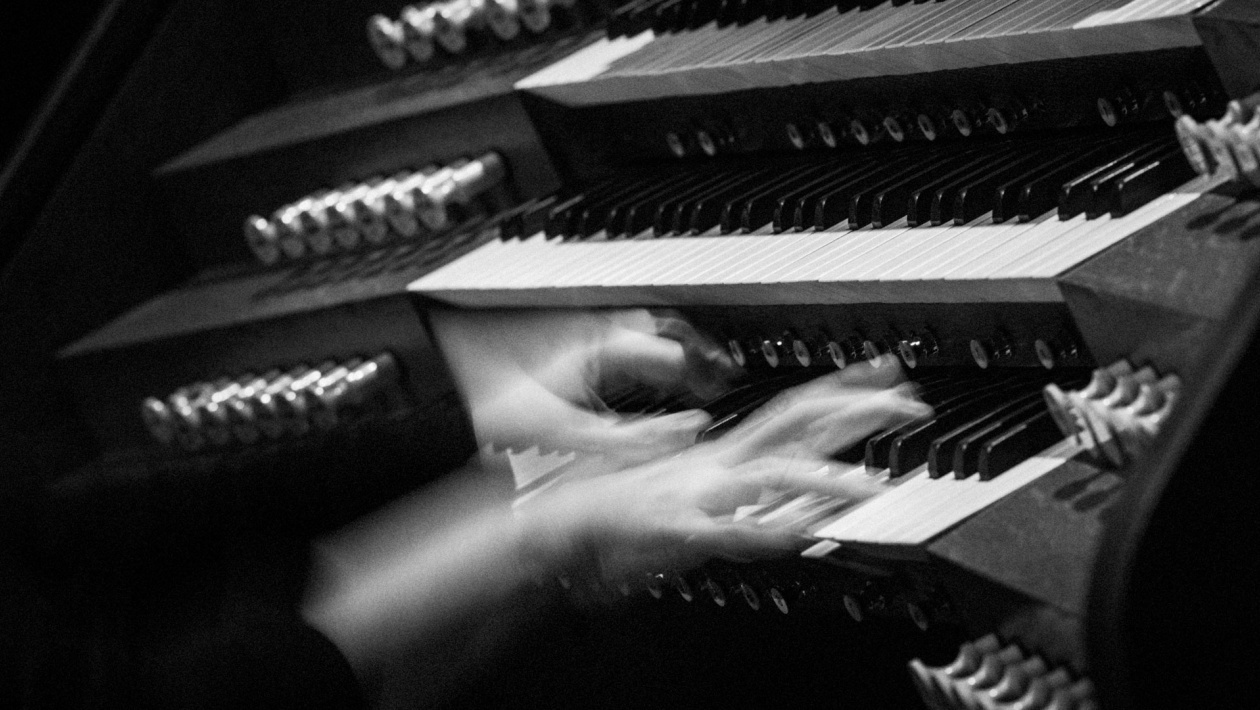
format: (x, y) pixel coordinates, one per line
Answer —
(1035, 208)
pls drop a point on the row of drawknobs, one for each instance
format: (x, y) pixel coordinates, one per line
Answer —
(408, 205)
(420, 30)
(1118, 414)
(966, 120)
(1228, 146)
(989, 676)
(759, 589)
(790, 349)
(274, 405)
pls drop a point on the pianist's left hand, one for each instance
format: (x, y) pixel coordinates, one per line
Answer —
(532, 378)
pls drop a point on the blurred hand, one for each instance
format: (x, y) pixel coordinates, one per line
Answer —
(531, 378)
(677, 512)
(829, 414)
(669, 514)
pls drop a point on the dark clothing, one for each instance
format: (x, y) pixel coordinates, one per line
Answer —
(174, 583)
(263, 664)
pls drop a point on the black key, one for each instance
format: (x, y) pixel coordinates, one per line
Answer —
(919, 206)
(733, 210)
(1149, 182)
(620, 217)
(977, 197)
(833, 207)
(593, 215)
(1075, 194)
(941, 452)
(1035, 193)
(758, 210)
(668, 16)
(910, 449)
(560, 217)
(859, 207)
(805, 211)
(728, 12)
(566, 217)
(626, 21)
(750, 10)
(946, 395)
(785, 207)
(706, 213)
(889, 204)
(703, 12)
(970, 449)
(1104, 187)
(775, 9)
(526, 220)
(945, 197)
(666, 212)
(1018, 444)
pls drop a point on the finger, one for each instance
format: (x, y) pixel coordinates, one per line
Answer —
(810, 476)
(710, 368)
(790, 403)
(673, 327)
(869, 376)
(741, 541)
(643, 357)
(630, 442)
(844, 427)
(883, 371)
(826, 425)
(880, 373)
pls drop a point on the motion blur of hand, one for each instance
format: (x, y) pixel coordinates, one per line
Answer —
(676, 512)
(532, 378)
(391, 589)
(829, 414)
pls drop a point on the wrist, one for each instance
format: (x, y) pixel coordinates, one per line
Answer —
(554, 535)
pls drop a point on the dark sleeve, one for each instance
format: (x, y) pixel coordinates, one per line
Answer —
(130, 520)
(271, 663)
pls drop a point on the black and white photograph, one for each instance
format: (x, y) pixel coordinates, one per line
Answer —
(629, 354)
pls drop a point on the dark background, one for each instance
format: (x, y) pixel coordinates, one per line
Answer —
(33, 52)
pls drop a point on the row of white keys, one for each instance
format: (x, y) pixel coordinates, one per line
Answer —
(919, 249)
(834, 263)
(557, 258)
(984, 264)
(796, 247)
(960, 254)
(967, 500)
(1042, 248)
(871, 42)
(462, 271)
(766, 254)
(599, 258)
(589, 62)
(720, 268)
(541, 251)
(655, 260)
(1094, 242)
(856, 31)
(895, 253)
(921, 508)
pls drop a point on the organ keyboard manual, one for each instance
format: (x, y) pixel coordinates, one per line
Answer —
(232, 217)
